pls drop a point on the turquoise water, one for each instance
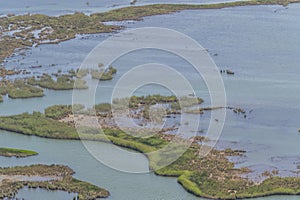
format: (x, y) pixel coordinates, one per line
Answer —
(260, 44)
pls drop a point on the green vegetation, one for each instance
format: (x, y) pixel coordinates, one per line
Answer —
(61, 111)
(53, 30)
(61, 179)
(138, 12)
(141, 105)
(37, 124)
(184, 102)
(99, 74)
(103, 107)
(19, 89)
(19, 153)
(104, 76)
(27, 88)
(212, 176)
(136, 101)
(61, 83)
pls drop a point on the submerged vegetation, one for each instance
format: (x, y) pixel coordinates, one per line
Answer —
(212, 176)
(19, 153)
(56, 177)
(62, 82)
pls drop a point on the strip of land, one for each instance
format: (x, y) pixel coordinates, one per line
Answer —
(19, 153)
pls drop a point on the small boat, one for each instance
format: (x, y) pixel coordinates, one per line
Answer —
(229, 72)
(36, 66)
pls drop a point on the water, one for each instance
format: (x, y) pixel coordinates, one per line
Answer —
(259, 43)
(36, 194)
(72, 153)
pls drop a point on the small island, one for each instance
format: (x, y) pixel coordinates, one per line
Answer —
(50, 177)
(104, 75)
(18, 153)
(19, 89)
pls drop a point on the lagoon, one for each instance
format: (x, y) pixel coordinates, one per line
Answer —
(266, 81)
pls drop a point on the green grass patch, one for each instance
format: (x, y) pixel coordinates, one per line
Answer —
(10, 152)
(20, 89)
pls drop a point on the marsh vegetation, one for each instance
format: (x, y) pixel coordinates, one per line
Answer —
(62, 82)
(19, 89)
(65, 27)
(212, 176)
(19, 153)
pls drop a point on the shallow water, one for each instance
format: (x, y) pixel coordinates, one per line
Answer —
(37, 194)
(72, 153)
(266, 79)
(260, 44)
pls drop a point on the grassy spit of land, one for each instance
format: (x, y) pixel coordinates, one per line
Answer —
(65, 27)
(57, 177)
(19, 153)
(212, 176)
